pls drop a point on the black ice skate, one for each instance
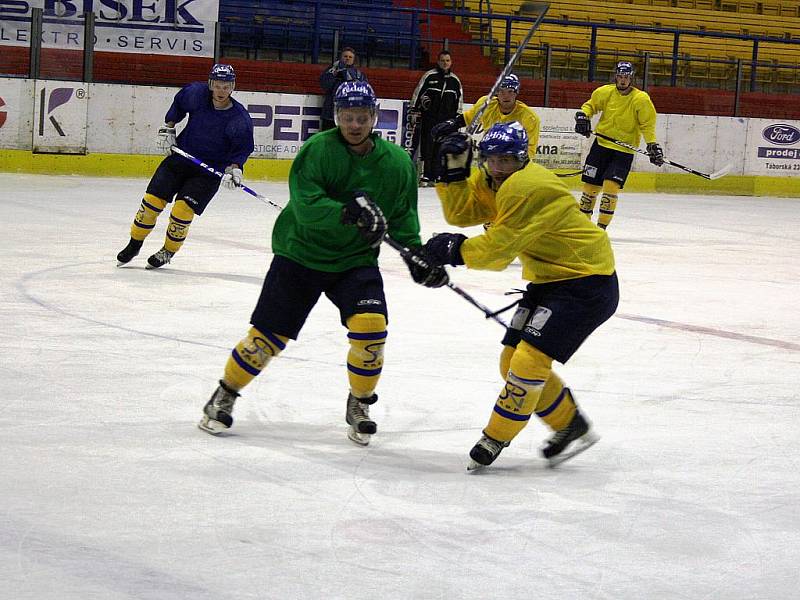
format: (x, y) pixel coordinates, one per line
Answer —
(484, 452)
(357, 416)
(128, 253)
(217, 411)
(159, 259)
(570, 441)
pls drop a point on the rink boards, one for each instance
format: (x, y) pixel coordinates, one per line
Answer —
(104, 129)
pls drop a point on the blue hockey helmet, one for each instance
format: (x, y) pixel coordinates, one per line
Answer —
(505, 138)
(355, 94)
(624, 67)
(220, 72)
(510, 82)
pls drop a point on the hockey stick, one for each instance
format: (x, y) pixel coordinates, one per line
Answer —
(526, 7)
(213, 171)
(716, 175)
(406, 253)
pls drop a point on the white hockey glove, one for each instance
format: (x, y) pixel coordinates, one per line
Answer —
(166, 138)
(232, 178)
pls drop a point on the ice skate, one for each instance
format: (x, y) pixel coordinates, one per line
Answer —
(357, 416)
(128, 253)
(159, 259)
(484, 452)
(217, 411)
(570, 441)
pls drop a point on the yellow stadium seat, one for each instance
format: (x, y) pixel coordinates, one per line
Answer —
(743, 17)
(697, 68)
(786, 76)
(789, 9)
(721, 71)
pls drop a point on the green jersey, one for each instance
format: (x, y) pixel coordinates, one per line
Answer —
(323, 178)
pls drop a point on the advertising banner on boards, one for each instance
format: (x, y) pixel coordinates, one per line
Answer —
(180, 28)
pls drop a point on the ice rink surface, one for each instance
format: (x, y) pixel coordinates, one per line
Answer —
(110, 492)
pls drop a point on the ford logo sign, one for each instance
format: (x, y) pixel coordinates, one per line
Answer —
(781, 134)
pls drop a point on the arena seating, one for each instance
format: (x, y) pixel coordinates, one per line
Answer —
(703, 60)
(272, 30)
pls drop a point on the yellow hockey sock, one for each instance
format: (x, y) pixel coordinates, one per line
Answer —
(530, 369)
(588, 201)
(556, 407)
(179, 221)
(608, 203)
(505, 360)
(146, 217)
(250, 356)
(367, 335)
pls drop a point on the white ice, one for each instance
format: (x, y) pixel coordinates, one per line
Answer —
(109, 491)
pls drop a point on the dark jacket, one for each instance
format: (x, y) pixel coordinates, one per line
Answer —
(331, 79)
(438, 96)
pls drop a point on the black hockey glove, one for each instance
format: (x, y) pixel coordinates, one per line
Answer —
(444, 128)
(583, 124)
(656, 153)
(454, 157)
(422, 269)
(445, 249)
(362, 212)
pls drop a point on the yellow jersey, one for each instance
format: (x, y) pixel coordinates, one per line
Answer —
(625, 118)
(522, 113)
(534, 217)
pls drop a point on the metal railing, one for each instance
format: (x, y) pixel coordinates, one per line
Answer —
(407, 38)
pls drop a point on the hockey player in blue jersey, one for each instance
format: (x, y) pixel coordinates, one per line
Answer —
(220, 133)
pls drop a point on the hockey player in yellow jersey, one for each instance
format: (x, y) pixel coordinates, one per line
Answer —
(567, 261)
(503, 108)
(627, 113)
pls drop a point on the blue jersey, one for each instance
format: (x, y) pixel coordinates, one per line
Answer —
(217, 137)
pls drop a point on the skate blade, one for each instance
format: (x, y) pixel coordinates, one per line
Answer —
(584, 442)
(211, 426)
(362, 439)
(474, 466)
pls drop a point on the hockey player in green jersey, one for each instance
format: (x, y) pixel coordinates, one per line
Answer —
(627, 114)
(348, 188)
(567, 261)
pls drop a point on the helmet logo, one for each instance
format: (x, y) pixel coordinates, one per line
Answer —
(505, 138)
(355, 94)
(510, 82)
(624, 67)
(222, 72)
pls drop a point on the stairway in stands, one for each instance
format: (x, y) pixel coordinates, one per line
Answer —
(436, 28)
